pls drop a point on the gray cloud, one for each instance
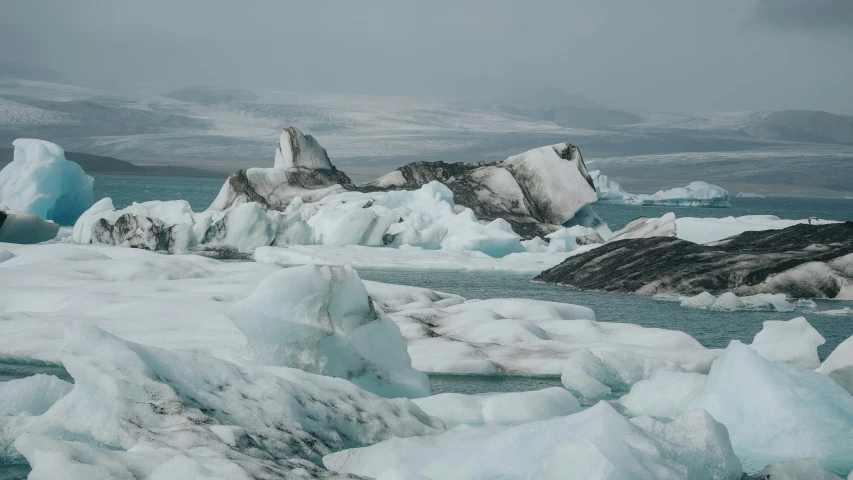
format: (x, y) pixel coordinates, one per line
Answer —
(818, 16)
(656, 55)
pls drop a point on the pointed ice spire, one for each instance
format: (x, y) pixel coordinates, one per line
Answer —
(298, 150)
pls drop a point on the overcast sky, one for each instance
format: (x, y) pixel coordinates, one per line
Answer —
(665, 55)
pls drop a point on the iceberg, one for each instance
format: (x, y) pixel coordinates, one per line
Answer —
(665, 394)
(777, 411)
(321, 320)
(301, 169)
(150, 412)
(839, 312)
(512, 408)
(839, 365)
(25, 228)
(793, 341)
(801, 261)
(536, 191)
(729, 302)
(595, 443)
(41, 182)
(696, 194)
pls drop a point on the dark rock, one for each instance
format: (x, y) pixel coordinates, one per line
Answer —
(802, 261)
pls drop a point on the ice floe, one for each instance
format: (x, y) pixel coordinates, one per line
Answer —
(665, 394)
(696, 194)
(447, 334)
(792, 341)
(595, 443)
(729, 302)
(32, 395)
(805, 469)
(321, 320)
(839, 312)
(839, 365)
(412, 258)
(777, 411)
(142, 412)
(41, 182)
(513, 408)
(25, 228)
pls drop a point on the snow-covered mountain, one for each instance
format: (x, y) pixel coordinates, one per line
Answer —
(227, 129)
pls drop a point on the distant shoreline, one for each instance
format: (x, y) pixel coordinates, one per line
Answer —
(96, 164)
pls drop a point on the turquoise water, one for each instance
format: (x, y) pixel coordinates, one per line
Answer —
(126, 189)
(712, 329)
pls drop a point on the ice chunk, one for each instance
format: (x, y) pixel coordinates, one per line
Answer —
(597, 375)
(805, 303)
(298, 150)
(25, 228)
(31, 395)
(321, 320)
(729, 302)
(499, 408)
(794, 341)
(696, 194)
(805, 469)
(839, 365)
(643, 227)
(665, 394)
(41, 182)
(595, 443)
(143, 409)
(777, 411)
(840, 312)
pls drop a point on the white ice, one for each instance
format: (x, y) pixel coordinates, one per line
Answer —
(805, 469)
(142, 412)
(595, 443)
(321, 320)
(309, 153)
(706, 230)
(447, 334)
(27, 229)
(665, 394)
(182, 301)
(426, 218)
(643, 227)
(415, 258)
(513, 408)
(606, 370)
(838, 312)
(41, 182)
(32, 395)
(729, 302)
(696, 194)
(777, 411)
(839, 365)
(793, 341)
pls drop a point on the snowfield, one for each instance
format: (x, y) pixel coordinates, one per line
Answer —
(186, 365)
